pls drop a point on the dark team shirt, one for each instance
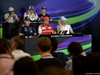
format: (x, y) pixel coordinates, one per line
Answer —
(41, 16)
(49, 62)
(27, 30)
(60, 56)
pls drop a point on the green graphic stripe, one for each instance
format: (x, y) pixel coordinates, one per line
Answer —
(85, 16)
(0, 32)
(37, 57)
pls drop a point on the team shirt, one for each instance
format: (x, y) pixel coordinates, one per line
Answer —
(27, 30)
(32, 17)
(12, 19)
(45, 29)
(65, 29)
(41, 16)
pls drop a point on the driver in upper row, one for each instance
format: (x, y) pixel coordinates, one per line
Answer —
(43, 14)
(31, 14)
(11, 17)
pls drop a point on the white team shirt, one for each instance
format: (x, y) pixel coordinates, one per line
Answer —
(67, 28)
(11, 20)
(32, 17)
(39, 29)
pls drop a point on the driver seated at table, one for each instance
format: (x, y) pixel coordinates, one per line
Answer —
(63, 27)
(45, 28)
(27, 29)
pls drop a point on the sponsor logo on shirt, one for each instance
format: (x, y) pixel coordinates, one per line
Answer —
(43, 27)
(30, 29)
(26, 29)
(49, 27)
(48, 31)
(23, 25)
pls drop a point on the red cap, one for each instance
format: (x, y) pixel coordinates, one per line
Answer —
(46, 18)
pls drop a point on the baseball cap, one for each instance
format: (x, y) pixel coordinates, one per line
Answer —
(11, 9)
(26, 18)
(62, 18)
(31, 8)
(44, 8)
(46, 18)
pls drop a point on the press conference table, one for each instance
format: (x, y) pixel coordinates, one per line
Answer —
(30, 42)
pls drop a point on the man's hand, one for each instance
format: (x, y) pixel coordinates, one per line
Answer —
(50, 19)
(21, 34)
(35, 19)
(59, 25)
(12, 14)
(72, 32)
(35, 34)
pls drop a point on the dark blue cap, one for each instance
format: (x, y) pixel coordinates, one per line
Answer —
(44, 8)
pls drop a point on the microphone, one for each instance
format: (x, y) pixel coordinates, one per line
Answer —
(51, 32)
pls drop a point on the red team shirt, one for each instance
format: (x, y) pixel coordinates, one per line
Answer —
(46, 29)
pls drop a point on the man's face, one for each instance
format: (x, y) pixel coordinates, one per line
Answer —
(27, 23)
(10, 12)
(43, 10)
(46, 22)
(63, 22)
(31, 11)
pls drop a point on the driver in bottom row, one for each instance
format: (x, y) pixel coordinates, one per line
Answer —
(27, 29)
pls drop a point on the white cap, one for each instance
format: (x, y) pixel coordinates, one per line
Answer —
(11, 9)
(62, 18)
(31, 7)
